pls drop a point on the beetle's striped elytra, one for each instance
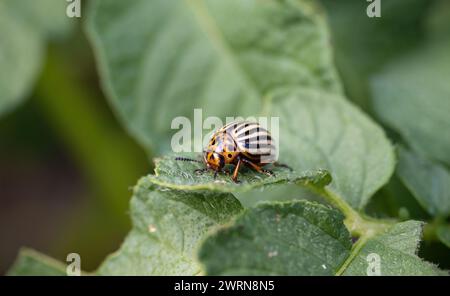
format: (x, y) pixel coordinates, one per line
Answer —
(239, 143)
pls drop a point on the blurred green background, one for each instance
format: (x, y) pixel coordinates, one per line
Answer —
(67, 165)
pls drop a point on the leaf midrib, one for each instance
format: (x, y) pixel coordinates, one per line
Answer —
(209, 26)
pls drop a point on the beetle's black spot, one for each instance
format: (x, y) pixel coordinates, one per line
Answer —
(221, 161)
(229, 155)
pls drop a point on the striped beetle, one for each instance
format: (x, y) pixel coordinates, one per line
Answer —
(239, 143)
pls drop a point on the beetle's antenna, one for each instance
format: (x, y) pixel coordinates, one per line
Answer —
(187, 159)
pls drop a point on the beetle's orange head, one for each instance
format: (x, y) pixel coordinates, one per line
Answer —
(214, 160)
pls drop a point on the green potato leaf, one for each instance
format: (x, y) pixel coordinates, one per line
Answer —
(24, 28)
(21, 52)
(321, 130)
(144, 74)
(429, 182)
(292, 238)
(304, 238)
(396, 251)
(411, 96)
(181, 175)
(30, 262)
(161, 59)
(317, 131)
(362, 45)
(443, 234)
(278, 192)
(167, 227)
(47, 16)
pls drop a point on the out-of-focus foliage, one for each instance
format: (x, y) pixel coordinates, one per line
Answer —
(64, 135)
(168, 226)
(396, 67)
(362, 45)
(312, 61)
(30, 262)
(429, 182)
(411, 96)
(221, 56)
(399, 256)
(321, 130)
(161, 59)
(260, 242)
(25, 26)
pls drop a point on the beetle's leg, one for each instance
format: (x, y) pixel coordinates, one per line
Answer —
(215, 174)
(200, 171)
(226, 172)
(268, 172)
(277, 164)
(236, 170)
(258, 168)
(253, 166)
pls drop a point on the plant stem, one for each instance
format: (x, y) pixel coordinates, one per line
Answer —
(359, 225)
(353, 253)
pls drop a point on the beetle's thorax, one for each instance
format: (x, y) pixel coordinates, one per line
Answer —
(221, 150)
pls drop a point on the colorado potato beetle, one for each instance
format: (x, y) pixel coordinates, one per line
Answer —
(239, 143)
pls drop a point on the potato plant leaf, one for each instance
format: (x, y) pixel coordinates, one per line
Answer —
(396, 251)
(161, 59)
(225, 48)
(429, 182)
(30, 262)
(292, 238)
(196, 39)
(443, 234)
(362, 45)
(180, 175)
(167, 227)
(21, 52)
(46, 16)
(411, 96)
(322, 130)
(304, 238)
(24, 28)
